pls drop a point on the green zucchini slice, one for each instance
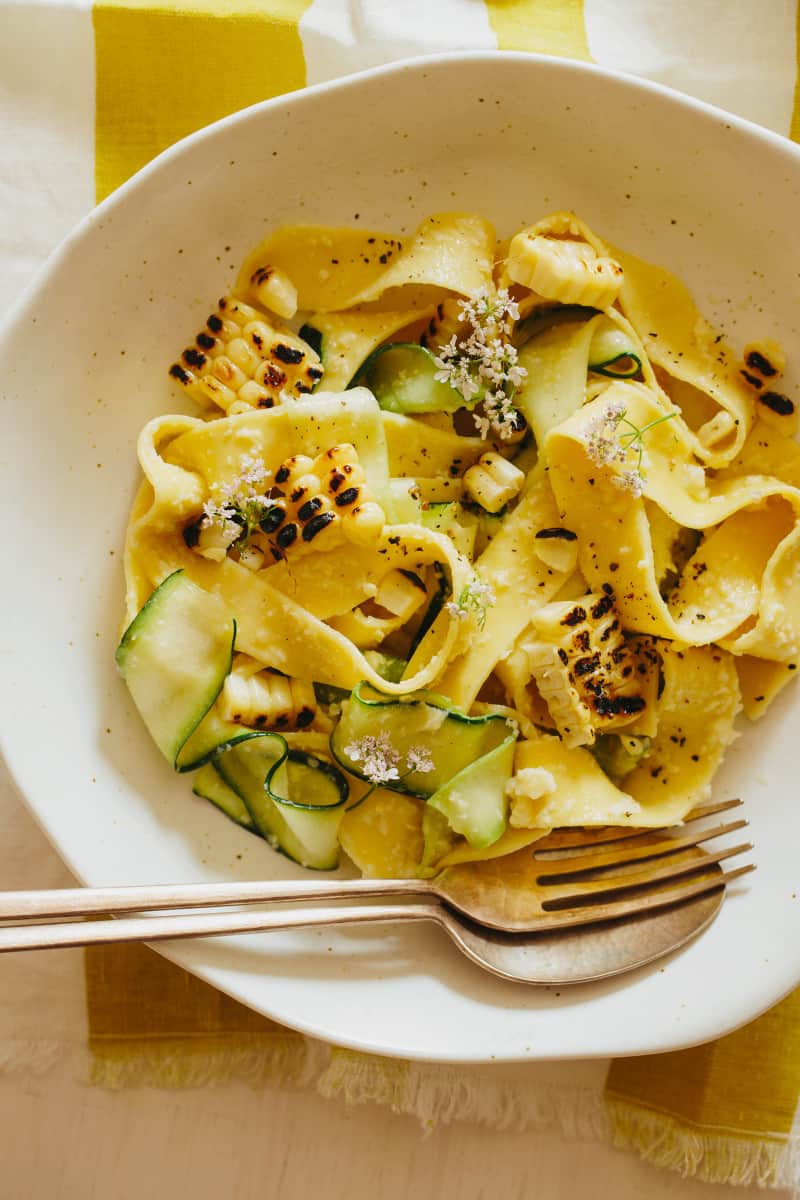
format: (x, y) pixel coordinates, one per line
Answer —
(296, 800)
(210, 785)
(402, 378)
(471, 757)
(174, 657)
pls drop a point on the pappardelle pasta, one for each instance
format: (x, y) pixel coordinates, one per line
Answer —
(469, 540)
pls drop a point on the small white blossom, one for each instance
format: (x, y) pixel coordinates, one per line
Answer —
(475, 597)
(380, 761)
(607, 444)
(629, 481)
(242, 503)
(378, 758)
(419, 759)
(602, 435)
(483, 365)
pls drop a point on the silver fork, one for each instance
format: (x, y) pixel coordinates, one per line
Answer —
(570, 878)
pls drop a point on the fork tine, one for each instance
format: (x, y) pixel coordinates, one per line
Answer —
(578, 864)
(661, 898)
(587, 890)
(567, 839)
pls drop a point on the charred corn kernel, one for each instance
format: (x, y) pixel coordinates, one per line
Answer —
(557, 548)
(401, 593)
(237, 311)
(273, 288)
(762, 363)
(559, 259)
(264, 700)
(591, 679)
(253, 395)
(243, 357)
(493, 481)
(323, 502)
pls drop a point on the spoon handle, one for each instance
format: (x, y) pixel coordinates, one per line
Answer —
(188, 925)
(73, 902)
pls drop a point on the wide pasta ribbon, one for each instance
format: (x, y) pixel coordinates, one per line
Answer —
(742, 585)
(340, 268)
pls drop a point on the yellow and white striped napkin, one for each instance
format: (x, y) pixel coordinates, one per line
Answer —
(92, 93)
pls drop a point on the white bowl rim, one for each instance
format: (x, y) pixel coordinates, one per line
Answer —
(356, 78)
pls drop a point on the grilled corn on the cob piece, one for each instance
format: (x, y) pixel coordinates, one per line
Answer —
(590, 677)
(763, 364)
(325, 501)
(241, 361)
(305, 504)
(560, 259)
(264, 699)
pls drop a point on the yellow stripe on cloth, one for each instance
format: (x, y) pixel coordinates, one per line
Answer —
(543, 26)
(722, 1111)
(153, 1024)
(163, 72)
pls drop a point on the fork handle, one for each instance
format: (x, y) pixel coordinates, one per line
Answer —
(74, 902)
(189, 925)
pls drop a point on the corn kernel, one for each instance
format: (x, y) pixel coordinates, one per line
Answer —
(228, 373)
(400, 595)
(493, 481)
(274, 289)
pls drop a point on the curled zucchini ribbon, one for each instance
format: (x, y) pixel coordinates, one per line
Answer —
(613, 353)
(402, 378)
(174, 657)
(467, 761)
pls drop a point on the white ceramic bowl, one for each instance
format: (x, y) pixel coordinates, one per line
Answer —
(83, 362)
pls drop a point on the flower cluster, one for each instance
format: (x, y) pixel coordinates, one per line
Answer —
(474, 597)
(381, 761)
(242, 503)
(606, 444)
(482, 367)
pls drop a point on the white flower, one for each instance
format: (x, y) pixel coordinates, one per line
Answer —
(377, 756)
(602, 437)
(419, 759)
(242, 503)
(483, 365)
(475, 597)
(629, 481)
(380, 760)
(607, 444)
